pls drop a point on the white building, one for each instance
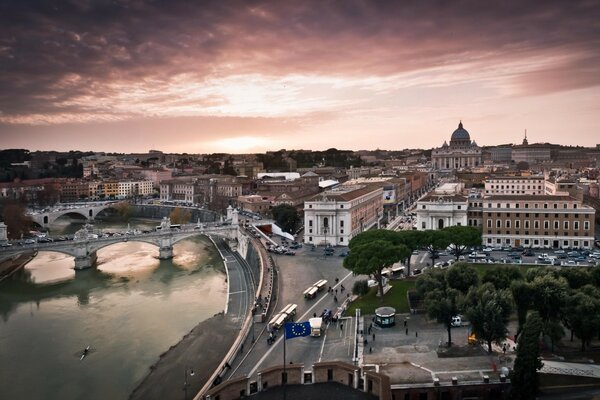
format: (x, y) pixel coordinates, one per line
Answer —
(334, 217)
(180, 190)
(514, 185)
(135, 188)
(446, 206)
(461, 153)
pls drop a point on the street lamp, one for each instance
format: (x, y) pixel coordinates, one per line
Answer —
(185, 380)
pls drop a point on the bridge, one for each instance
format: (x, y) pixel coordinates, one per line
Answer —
(87, 211)
(85, 245)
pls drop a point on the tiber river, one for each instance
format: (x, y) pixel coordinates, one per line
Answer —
(130, 310)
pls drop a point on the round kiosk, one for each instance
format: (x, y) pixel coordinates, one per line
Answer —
(385, 317)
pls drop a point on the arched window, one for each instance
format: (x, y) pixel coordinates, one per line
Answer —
(440, 224)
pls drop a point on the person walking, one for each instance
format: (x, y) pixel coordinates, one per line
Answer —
(341, 326)
(407, 331)
(335, 299)
(373, 337)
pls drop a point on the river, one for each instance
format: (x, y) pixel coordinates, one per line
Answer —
(130, 309)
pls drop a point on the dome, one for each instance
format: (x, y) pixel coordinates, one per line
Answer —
(460, 134)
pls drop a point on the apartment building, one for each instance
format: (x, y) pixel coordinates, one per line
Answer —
(514, 185)
(336, 216)
(135, 188)
(537, 221)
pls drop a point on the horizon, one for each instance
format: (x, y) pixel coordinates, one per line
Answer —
(248, 77)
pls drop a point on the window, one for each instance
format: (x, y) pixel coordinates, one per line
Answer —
(556, 225)
(310, 231)
(526, 205)
(526, 224)
(489, 223)
(546, 205)
(536, 224)
(517, 224)
(342, 239)
(423, 207)
(574, 205)
(310, 222)
(565, 205)
(341, 231)
(310, 238)
(459, 207)
(576, 225)
(507, 223)
(566, 224)
(341, 223)
(423, 225)
(310, 206)
(586, 225)
(498, 223)
(555, 205)
(341, 206)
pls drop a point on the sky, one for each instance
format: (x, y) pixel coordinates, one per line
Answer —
(251, 76)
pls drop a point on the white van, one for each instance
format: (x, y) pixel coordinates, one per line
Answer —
(456, 321)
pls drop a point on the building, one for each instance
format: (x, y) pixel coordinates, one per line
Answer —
(532, 153)
(334, 217)
(501, 154)
(446, 206)
(254, 203)
(184, 190)
(461, 153)
(135, 188)
(514, 185)
(538, 221)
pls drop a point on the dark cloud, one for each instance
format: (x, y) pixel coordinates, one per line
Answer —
(52, 52)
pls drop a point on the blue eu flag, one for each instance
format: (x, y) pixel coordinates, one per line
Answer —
(293, 330)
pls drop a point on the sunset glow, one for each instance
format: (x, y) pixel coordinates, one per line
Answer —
(299, 75)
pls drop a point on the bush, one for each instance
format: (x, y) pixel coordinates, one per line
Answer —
(360, 288)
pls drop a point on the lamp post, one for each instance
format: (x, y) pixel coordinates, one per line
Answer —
(185, 380)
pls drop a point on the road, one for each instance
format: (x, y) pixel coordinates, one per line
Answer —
(296, 274)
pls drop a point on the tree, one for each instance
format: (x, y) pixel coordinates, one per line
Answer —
(522, 296)
(462, 277)
(549, 295)
(576, 277)
(524, 377)
(441, 301)
(15, 217)
(461, 238)
(180, 216)
(414, 240)
(124, 210)
(435, 241)
(502, 276)
(370, 258)
(286, 217)
(488, 310)
(582, 314)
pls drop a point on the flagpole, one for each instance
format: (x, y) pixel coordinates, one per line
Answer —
(284, 373)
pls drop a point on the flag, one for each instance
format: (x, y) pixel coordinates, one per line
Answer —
(293, 330)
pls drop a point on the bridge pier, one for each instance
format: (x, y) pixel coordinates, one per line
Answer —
(86, 261)
(165, 253)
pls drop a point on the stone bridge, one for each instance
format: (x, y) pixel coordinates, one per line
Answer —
(84, 246)
(88, 212)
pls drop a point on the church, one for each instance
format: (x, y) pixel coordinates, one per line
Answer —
(461, 153)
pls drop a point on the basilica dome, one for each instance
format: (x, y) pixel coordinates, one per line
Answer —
(460, 134)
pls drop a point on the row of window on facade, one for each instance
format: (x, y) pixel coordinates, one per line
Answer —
(535, 205)
(513, 186)
(537, 242)
(536, 224)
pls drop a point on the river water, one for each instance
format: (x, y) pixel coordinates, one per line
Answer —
(130, 309)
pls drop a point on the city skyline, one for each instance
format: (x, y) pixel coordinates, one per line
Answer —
(243, 77)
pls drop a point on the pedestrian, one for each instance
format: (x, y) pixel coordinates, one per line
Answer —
(504, 348)
(405, 322)
(416, 334)
(370, 349)
(341, 327)
(242, 348)
(336, 292)
(407, 331)
(369, 330)
(335, 299)
(314, 315)
(365, 342)
(373, 337)
(329, 290)
(336, 280)
(370, 326)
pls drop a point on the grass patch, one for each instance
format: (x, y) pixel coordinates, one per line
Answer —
(395, 297)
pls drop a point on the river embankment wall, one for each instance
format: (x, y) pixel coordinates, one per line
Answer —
(158, 212)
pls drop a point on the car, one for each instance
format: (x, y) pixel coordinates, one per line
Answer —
(487, 250)
(343, 254)
(290, 253)
(28, 241)
(528, 253)
(6, 244)
(416, 271)
(560, 251)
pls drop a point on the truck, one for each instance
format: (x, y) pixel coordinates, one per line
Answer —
(316, 325)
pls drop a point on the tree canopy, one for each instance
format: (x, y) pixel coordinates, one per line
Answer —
(524, 377)
(461, 238)
(369, 257)
(462, 277)
(286, 217)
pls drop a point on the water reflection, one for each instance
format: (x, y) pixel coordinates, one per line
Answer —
(131, 308)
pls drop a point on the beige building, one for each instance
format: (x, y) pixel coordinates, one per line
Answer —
(461, 153)
(334, 217)
(514, 185)
(538, 221)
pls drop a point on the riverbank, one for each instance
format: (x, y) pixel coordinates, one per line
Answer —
(12, 265)
(200, 350)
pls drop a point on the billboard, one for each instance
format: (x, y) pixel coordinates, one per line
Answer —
(389, 196)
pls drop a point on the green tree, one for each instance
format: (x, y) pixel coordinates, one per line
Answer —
(180, 216)
(435, 241)
(414, 240)
(549, 297)
(370, 258)
(462, 276)
(441, 301)
(522, 296)
(502, 276)
(286, 217)
(461, 238)
(14, 215)
(488, 310)
(582, 314)
(576, 277)
(524, 376)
